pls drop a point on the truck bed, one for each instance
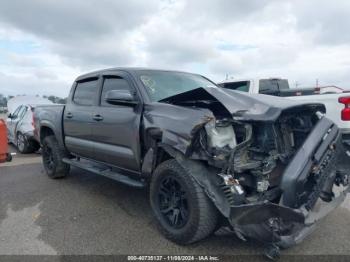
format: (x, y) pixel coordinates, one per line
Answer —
(297, 92)
(50, 116)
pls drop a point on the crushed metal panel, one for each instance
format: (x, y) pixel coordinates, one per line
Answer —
(177, 125)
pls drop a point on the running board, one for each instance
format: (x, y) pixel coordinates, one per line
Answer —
(104, 171)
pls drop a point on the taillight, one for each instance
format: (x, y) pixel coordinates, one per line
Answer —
(345, 113)
(33, 120)
(33, 124)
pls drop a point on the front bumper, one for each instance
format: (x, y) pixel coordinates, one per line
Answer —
(321, 161)
(280, 225)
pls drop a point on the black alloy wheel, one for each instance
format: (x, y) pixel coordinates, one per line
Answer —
(183, 212)
(173, 202)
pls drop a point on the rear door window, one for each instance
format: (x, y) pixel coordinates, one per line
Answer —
(272, 85)
(268, 85)
(85, 92)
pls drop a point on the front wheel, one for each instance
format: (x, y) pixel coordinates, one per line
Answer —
(52, 156)
(183, 211)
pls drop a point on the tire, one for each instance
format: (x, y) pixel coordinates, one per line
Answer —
(8, 157)
(52, 156)
(197, 214)
(23, 145)
(35, 145)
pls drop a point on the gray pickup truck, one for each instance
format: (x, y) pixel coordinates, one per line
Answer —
(263, 166)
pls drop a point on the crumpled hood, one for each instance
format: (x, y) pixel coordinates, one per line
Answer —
(240, 105)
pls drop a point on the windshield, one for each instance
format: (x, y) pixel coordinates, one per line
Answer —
(163, 84)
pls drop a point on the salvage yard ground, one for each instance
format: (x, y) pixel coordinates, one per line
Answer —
(89, 214)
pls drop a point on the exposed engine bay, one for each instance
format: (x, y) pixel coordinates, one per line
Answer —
(255, 154)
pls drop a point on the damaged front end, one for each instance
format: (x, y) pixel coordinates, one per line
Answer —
(312, 184)
(272, 171)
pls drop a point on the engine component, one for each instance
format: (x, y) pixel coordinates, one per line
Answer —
(220, 135)
(233, 191)
(262, 186)
(342, 178)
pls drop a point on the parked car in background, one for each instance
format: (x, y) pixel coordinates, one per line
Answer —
(20, 123)
(266, 166)
(328, 95)
(3, 109)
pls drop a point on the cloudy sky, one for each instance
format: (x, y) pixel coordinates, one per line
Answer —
(45, 44)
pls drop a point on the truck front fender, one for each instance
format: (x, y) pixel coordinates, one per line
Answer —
(205, 176)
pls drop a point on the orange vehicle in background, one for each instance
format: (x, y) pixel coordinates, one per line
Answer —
(5, 156)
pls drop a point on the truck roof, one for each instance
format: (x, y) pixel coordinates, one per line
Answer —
(125, 69)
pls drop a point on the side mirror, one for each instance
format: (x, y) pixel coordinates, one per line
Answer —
(10, 116)
(120, 97)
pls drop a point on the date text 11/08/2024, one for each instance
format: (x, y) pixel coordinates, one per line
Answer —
(173, 258)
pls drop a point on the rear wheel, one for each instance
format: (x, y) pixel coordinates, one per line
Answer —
(52, 156)
(24, 146)
(182, 209)
(35, 145)
(8, 157)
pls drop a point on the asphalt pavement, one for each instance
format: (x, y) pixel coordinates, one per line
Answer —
(86, 214)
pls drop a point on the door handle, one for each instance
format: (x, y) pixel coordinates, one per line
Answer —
(97, 118)
(69, 115)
